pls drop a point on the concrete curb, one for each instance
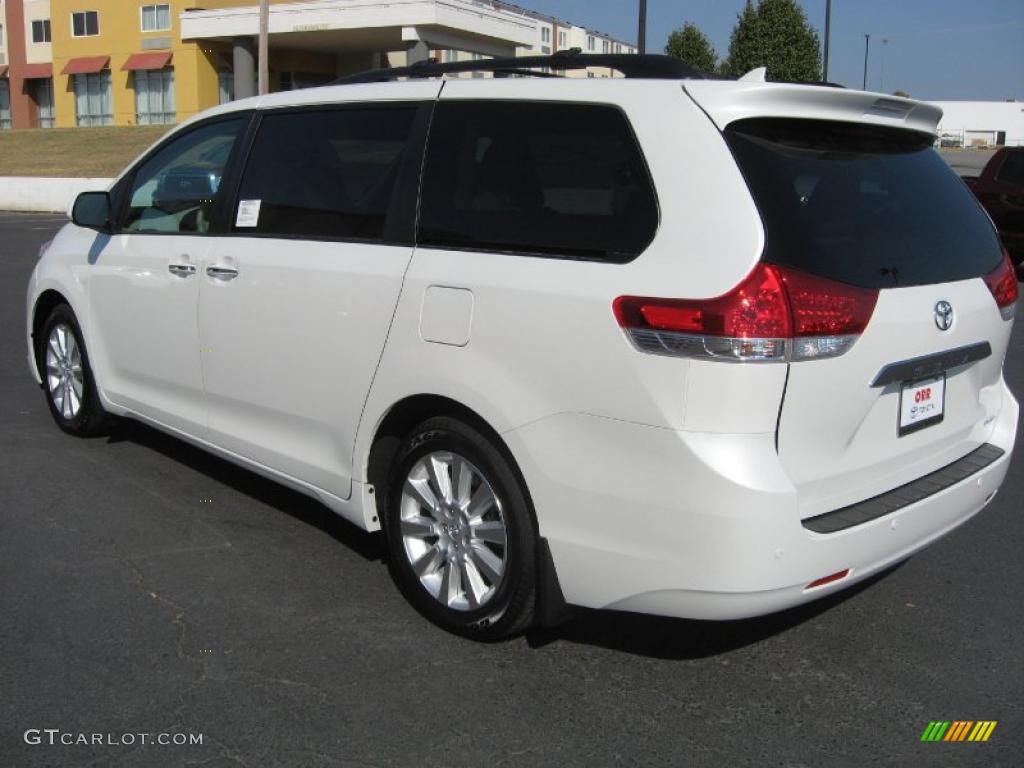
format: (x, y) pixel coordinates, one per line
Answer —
(29, 193)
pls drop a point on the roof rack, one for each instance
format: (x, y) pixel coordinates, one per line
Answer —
(632, 65)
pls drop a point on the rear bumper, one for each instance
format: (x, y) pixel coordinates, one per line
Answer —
(707, 526)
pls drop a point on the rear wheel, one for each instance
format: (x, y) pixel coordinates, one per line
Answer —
(64, 366)
(460, 533)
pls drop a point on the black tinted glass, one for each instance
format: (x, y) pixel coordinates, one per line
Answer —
(324, 174)
(1012, 171)
(864, 205)
(175, 190)
(542, 178)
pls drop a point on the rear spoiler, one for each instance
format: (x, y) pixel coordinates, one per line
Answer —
(727, 101)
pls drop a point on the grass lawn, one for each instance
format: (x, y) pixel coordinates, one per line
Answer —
(95, 152)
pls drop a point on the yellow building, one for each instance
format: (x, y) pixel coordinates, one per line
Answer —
(127, 62)
(122, 63)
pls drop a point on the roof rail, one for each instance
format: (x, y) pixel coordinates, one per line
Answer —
(632, 65)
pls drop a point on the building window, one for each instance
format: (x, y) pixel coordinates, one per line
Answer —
(85, 23)
(226, 85)
(451, 56)
(561, 39)
(154, 96)
(41, 31)
(590, 43)
(5, 103)
(545, 34)
(156, 18)
(94, 104)
(42, 94)
(618, 48)
(604, 46)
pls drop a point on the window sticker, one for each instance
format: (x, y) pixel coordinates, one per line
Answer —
(248, 213)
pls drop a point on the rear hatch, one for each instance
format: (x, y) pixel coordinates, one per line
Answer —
(860, 200)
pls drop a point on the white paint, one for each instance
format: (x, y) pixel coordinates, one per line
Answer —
(658, 482)
(28, 193)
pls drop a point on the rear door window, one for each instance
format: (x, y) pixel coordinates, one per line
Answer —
(538, 178)
(869, 206)
(324, 174)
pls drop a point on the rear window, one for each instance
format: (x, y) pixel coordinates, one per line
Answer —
(536, 178)
(869, 206)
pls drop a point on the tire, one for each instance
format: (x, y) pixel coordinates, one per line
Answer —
(68, 383)
(452, 498)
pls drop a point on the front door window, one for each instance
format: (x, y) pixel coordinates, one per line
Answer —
(175, 190)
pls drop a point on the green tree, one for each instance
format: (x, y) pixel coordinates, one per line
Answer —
(775, 35)
(691, 45)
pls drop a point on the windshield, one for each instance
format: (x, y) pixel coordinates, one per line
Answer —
(869, 206)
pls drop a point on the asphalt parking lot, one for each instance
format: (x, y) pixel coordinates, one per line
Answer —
(146, 587)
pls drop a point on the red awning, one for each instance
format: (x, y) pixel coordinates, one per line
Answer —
(87, 65)
(3, 71)
(139, 61)
(35, 71)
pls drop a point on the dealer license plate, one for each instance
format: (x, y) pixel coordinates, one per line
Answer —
(922, 403)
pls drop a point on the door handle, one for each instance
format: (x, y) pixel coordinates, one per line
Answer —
(182, 270)
(222, 273)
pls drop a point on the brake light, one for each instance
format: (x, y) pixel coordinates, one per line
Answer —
(774, 314)
(1003, 283)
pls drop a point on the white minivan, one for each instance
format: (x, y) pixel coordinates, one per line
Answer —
(662, 343)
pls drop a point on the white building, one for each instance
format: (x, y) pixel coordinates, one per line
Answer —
(981, 123)
(350, 35)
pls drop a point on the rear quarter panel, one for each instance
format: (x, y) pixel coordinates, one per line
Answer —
(543, 339)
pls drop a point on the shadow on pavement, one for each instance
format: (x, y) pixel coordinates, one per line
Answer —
(638, 634)
(666, 638)
(310, 511)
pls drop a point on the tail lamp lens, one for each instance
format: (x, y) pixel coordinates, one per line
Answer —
(1003, 284)
(774, 314)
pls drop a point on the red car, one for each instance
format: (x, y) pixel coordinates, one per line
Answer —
(1000, 189)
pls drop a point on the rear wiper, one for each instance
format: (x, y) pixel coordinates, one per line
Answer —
(893, 271)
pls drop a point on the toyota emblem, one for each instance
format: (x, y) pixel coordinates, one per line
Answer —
(943, 315)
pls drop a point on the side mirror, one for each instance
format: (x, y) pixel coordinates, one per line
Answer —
(92, 210)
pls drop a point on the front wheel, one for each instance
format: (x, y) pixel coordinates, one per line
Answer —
(461, 536)
(67, 378)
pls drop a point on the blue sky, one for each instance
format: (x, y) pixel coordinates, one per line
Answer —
(937, 49)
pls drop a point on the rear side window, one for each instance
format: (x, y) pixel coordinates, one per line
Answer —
(1012, 171)
(869, 206)
(325, 174)
(537, 178)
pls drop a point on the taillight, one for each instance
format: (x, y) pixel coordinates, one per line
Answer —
(1003, 284)
(774, 314)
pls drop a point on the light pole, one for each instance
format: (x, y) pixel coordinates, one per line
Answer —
(828, 24)
(642, 32)
(867, 43)
(263, 78)
(881, 82)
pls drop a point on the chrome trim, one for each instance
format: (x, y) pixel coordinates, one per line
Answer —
(728, 349)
